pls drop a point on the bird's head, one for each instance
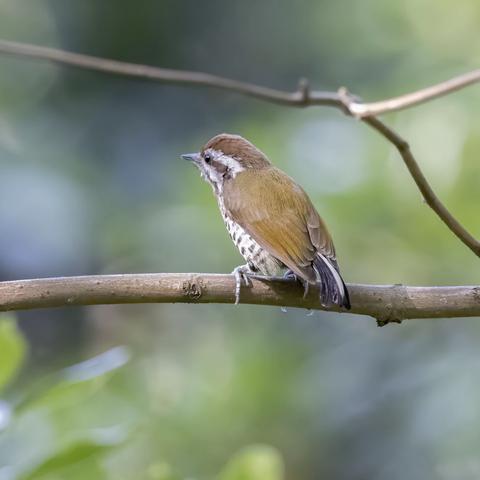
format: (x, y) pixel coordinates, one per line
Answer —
(224, 156)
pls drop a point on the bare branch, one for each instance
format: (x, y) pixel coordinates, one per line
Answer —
(300, 98)
(381, 302)
(386, 303)
(363, 110)
(428, 194)
(303, 97)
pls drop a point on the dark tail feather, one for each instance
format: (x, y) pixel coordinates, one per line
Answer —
(332, 287)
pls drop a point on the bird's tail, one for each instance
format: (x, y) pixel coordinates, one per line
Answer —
(332, 287)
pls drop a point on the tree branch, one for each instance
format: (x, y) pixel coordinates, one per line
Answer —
(363, 110)
(419, 178)
(386, 303)
(300, 98)
(303, 97)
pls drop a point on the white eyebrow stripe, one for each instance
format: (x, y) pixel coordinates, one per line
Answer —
(230, 162)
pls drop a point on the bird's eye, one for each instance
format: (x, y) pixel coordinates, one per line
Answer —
(207, 158)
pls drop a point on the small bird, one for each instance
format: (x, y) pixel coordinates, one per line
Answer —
(270, 219)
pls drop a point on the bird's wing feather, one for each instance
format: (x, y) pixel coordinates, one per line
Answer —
(280, 217)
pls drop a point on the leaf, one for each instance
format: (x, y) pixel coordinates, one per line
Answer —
(71, 456)
(97, 366)
(26, 442)
(161, 471)
(77, 383)
(12, 349)
(255, 462)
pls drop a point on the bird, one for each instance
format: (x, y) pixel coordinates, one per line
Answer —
(270, 219)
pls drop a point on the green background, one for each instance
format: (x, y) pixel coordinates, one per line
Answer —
(91, 182)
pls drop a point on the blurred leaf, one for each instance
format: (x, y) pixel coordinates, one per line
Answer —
(78, 382)
(256, 462)
(99, 365)
(161, 471)
(72, 455)
(12, 349)
(26, 442)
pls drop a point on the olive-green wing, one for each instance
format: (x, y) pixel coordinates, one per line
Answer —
(280, 217)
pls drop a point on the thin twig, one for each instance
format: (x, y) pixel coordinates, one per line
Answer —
(428, 194)
(386, 303)
(303, 97)
(298, 98)
(363, 110)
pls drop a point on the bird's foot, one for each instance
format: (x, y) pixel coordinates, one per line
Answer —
(289, 275)
(241, 272)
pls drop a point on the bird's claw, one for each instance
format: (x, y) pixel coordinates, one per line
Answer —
(305, 289)
(241, 273)
(289, 275)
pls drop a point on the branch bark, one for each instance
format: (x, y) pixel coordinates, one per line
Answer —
(386, 303)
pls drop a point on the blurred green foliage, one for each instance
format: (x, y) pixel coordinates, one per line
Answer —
(12, 349)
(92, 183)
(63, 427)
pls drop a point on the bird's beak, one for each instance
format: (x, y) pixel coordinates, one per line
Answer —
(191, 157)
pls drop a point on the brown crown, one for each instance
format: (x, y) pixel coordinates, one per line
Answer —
(239, 148)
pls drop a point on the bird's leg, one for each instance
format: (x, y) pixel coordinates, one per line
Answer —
(289, 275)
(241, 273)
(305, 289)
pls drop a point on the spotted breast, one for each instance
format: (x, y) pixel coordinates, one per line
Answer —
(257, 258)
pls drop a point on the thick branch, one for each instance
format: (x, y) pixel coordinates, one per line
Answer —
(386, 303)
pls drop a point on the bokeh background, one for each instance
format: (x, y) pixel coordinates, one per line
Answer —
(91, 182)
